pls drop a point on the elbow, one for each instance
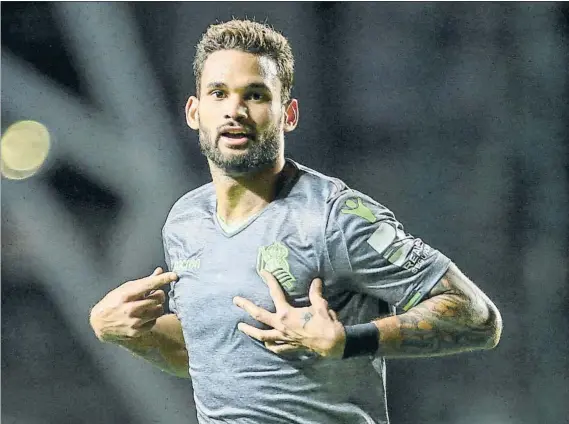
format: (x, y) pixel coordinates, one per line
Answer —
(493, 326)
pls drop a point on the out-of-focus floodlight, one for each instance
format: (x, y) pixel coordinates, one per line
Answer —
(24, 149)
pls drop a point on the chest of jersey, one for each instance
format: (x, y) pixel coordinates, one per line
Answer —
(214, 267)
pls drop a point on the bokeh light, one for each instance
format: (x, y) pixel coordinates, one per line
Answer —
(24, 149)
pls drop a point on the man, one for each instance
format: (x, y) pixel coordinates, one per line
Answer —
(262, 344)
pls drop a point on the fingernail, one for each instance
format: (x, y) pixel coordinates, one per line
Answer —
(240, 327)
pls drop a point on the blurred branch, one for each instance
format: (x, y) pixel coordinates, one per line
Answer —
(128, 147)
(58, 253)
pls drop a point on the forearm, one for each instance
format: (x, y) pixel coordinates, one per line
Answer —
(163, 346)
(447, 323)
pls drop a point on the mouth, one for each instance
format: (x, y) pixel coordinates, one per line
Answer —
(236, 138)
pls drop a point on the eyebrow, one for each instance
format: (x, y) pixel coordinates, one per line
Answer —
(254, 85)
(258, 85)
(215, 85)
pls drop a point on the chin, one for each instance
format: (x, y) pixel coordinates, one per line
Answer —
(242, 169)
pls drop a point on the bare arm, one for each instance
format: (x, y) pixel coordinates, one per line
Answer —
(455, 317)
(132, 316)
(163, 346)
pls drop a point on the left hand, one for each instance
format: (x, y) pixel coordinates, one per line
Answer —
(315, 328)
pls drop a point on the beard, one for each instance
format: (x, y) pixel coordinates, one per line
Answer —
(261, 153)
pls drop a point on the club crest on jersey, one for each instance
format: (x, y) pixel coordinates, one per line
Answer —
(273, 258)
(357, 207)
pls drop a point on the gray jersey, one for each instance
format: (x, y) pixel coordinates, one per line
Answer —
(316, 227)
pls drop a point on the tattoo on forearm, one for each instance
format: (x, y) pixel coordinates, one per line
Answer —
(453, 319)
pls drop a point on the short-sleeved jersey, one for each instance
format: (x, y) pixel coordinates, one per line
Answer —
(316, 227)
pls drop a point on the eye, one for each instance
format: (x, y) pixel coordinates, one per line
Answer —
(218, 94)
(256, 96)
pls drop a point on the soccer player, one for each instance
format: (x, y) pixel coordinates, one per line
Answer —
(288, 288)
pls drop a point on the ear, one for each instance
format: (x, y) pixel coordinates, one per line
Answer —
(192, 114)
(291, 115)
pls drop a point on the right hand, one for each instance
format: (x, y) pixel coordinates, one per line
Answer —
(131, 310)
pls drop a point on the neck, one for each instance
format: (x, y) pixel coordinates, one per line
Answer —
(239, 197)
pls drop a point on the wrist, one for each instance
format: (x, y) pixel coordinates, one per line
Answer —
(361, 340)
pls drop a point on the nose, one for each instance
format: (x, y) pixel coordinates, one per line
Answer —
(236, 109)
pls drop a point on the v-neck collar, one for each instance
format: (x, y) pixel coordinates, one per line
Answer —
(285, 182)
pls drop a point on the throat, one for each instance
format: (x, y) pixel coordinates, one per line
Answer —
(240, 198)
(239, 214)
(236, 224)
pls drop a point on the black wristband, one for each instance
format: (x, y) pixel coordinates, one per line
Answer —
(361, 340)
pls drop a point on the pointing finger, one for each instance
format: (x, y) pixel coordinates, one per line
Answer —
(157, 281)
(139, 288)
(157, 271)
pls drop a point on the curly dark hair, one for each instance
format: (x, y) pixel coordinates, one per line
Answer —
(251, 37)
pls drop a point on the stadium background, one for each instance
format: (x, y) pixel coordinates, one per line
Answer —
(454, 115)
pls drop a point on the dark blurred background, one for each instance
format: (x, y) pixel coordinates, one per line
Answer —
(454, 115)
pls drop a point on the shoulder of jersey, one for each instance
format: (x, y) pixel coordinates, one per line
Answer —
(193, 202)
(337, 195)
(327, 187)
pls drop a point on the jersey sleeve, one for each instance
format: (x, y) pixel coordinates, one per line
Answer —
(171, 302)
(368, 248)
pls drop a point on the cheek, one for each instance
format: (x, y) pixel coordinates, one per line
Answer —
(207, 115)
(267, 117)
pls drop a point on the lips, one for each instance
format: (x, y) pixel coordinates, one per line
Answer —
(236, 136)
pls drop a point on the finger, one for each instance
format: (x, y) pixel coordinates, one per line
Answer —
(157, 271)
(146, 326)
(263, 335)
(333, 315)
(285, 348)
(275, 290)
(315, 295)
(149, 314)
(138, 288)
(257, 313)
(137, 308)
(315, 292)
(157, 295)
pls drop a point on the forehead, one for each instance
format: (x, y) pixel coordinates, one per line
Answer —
(237, 68)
